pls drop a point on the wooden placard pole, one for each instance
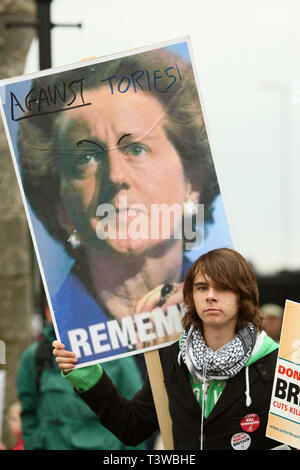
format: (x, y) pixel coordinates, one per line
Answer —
(160, 397)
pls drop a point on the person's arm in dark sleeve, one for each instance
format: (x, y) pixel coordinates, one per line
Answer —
(131, 421)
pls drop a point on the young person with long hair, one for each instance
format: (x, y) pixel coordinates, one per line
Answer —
(218, 376)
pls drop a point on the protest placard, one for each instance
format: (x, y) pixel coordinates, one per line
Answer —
(284, 415)
(120, 191)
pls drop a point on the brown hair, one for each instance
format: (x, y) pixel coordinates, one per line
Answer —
(228, 270)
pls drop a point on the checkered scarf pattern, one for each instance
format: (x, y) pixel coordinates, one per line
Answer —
(222, 364)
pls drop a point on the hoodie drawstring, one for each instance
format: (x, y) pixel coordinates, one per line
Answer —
(247, 392)
(205, 386)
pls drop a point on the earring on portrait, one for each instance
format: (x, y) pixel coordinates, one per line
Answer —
(190, 207)
(74, 240)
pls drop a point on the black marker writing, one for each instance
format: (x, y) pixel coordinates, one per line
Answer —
(144, 80)
(49, 99)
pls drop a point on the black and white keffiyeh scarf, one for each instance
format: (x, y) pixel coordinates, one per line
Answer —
(204, 363)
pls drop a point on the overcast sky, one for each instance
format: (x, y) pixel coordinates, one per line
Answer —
(247, 56)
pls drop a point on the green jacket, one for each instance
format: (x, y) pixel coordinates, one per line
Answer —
(54, 417)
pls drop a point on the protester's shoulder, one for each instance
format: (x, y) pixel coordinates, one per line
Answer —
(30, 352)
(27, 364)
(271, 357)
(265, 366)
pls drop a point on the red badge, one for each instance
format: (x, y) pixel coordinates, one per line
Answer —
(250, 422)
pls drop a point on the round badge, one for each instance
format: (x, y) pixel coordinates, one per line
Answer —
(250, 422)
(240, 441)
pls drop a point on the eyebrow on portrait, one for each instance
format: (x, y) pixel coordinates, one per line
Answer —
(90, 142)
(123, 137)
(148, 137)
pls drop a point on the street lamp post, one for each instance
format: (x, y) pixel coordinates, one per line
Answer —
(44, 32)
